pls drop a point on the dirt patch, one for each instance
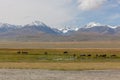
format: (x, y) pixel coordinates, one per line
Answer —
(37, 74)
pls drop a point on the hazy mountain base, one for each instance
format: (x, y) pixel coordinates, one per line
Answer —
(59, 45)
(76, 37)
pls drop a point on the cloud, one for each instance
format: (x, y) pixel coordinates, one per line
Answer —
(52, 12)
(87, 5)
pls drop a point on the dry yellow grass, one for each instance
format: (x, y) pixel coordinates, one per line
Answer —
(68, 45)
(62, 66)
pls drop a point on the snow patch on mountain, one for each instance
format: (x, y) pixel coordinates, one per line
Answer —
(37, 23)
(112, 26)
(94, 24)
(68, 29)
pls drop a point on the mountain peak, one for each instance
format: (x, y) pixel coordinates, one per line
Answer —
(68, 29)
(92, 24)
(37, 23)
(5, 24)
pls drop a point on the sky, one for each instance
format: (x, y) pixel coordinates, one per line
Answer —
(59, 13)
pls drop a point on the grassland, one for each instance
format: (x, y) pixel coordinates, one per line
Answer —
(61, 65)
(59, 55)
(56, 59)
(51, 55)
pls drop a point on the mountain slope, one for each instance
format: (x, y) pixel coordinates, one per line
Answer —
(38, 26)
(38, 31)
(4, 27)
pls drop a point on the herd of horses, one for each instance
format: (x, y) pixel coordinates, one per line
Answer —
(74, 55)
(97, 55)
(22, 52)
(90, 55)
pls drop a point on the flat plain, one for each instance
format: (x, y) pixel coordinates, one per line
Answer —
(60, 55)
(59, 45)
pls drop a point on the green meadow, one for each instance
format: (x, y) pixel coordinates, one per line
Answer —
(59, 55)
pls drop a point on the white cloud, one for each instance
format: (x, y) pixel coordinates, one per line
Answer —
(52, 12)
(87, 5)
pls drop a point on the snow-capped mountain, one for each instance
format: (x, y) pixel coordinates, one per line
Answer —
(95, 24)
(39, 31)
(38, 27)
(92, 24)
(68, 29)
(34, 27)
(98, 28)
(5, 27)
(37, 23)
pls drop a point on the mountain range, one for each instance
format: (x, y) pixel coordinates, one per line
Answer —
(38, 31)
